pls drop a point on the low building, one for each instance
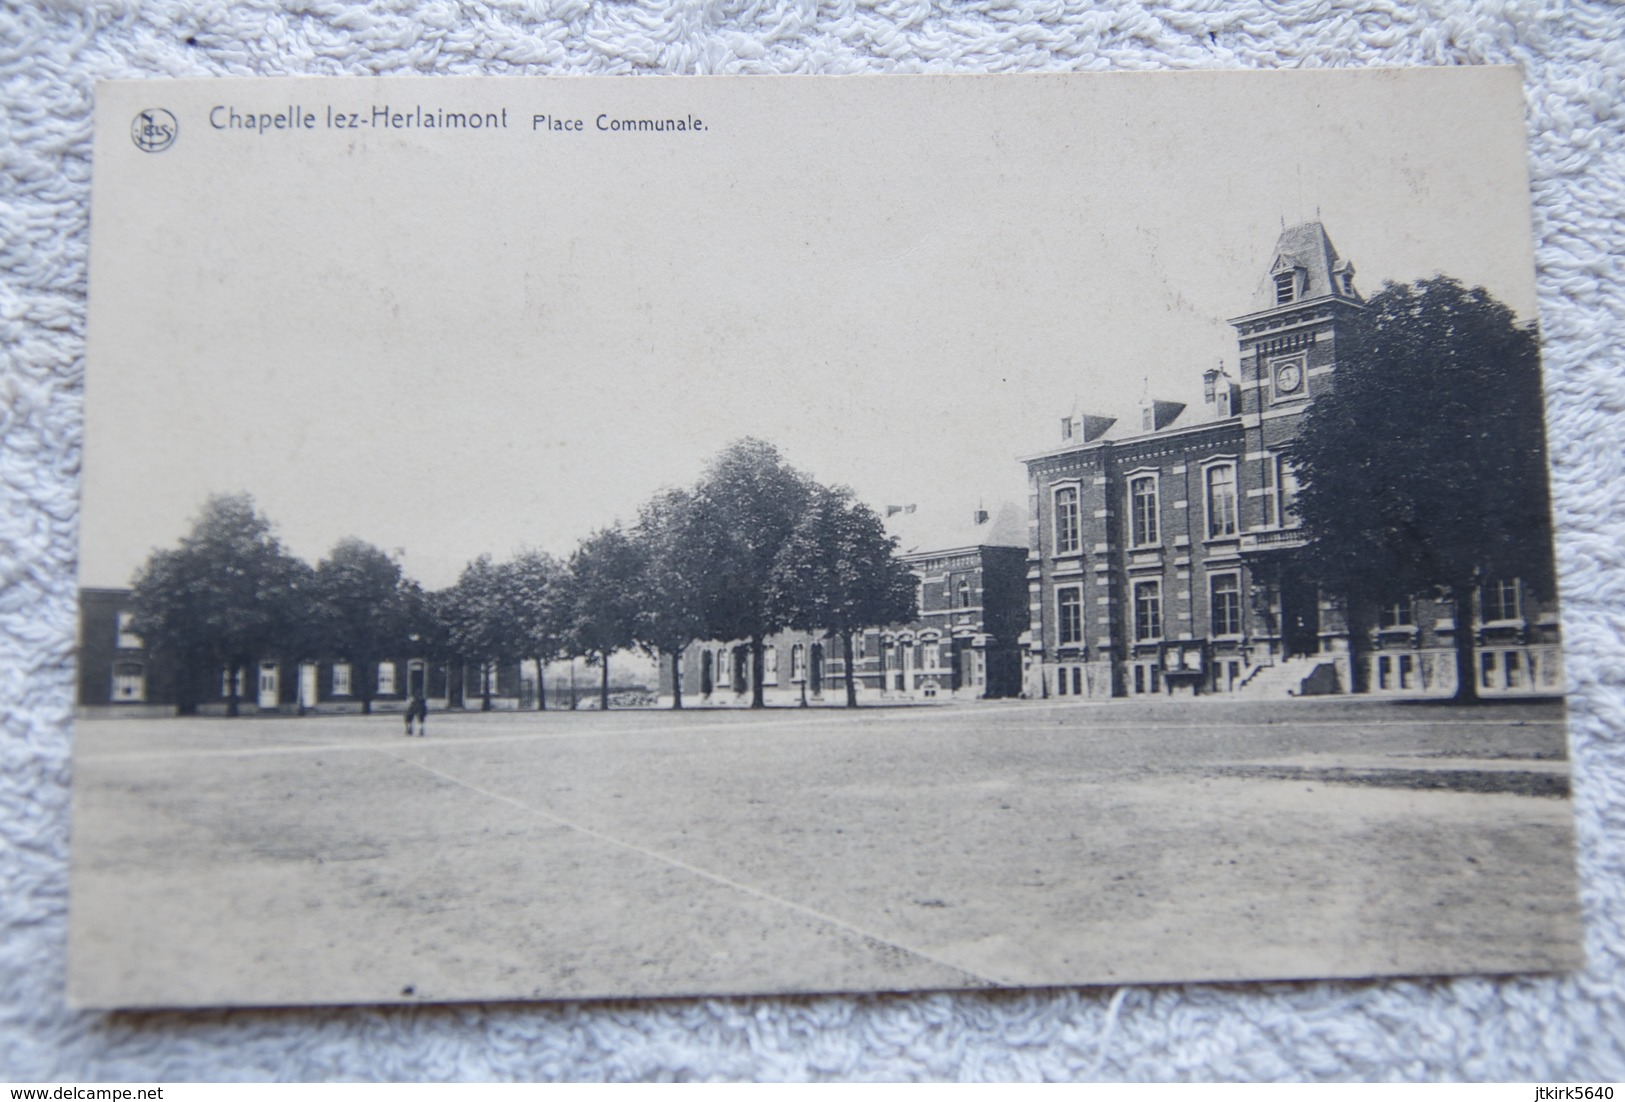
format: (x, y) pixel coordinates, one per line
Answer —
(965, 643)
(117, 675)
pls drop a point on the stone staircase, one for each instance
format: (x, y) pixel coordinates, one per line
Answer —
(1283, 679)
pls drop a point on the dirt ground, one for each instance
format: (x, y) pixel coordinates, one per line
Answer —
(329, 859)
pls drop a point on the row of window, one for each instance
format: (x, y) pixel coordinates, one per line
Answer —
(1499, 602)
(1224, 608)
(342, 679)
(1222, 514)
(923, 656)
(955, 591)
(724, 673)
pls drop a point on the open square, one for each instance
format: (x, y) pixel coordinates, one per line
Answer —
(565, 855)
(1193, 590)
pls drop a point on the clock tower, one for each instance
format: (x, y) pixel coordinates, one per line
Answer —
(1288, 356)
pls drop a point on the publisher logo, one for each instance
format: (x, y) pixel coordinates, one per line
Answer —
(154, 130)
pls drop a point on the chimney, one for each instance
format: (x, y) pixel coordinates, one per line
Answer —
(893, 510)
(980, 516)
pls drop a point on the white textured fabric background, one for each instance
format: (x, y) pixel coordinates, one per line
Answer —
(1549, 1029)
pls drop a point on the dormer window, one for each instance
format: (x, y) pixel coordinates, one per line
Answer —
(1286, 287)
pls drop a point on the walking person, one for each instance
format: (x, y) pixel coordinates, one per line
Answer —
(417, 708)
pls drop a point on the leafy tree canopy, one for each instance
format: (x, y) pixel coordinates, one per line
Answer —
(745, 510)
(1426, 464)
(839, 571)
(482, 622)
(605, 592)
(606, 572)
(227, 595)
(534, 591)
(672, 614)
(363, 608)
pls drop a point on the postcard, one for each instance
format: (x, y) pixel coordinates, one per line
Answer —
(577, 538)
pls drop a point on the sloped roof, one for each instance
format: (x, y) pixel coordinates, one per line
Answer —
(1304, 246)
(923, 530)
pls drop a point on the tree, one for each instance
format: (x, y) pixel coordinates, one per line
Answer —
(535, 595)
(604, 596)
(482, 623)
(670, 617)
(429, 632)
(1426, 464)
(744, 511)
(228, 595)
(361, 610)
(839, 573)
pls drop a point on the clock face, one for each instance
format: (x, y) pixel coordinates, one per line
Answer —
(1288, 378)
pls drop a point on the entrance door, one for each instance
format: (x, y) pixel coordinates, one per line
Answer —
(270, 683)
(416, 675)
(1300, 617)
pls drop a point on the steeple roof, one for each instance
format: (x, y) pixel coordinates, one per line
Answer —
(1306, 250)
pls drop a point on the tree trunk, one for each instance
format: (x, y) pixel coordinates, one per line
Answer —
(186, 688)
(1466, 677)
(541, 685)
(603, 683)
(231, 699)
(454, 685)
(757, 665)
(851, 673)
(364, 668)
(1358, 620)
(677, 679)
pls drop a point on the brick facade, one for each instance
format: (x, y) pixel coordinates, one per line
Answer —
(1162, 546)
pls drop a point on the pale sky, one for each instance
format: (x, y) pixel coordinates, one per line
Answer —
(457, 342)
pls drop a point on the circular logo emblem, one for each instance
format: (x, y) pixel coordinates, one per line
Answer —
(154, 130)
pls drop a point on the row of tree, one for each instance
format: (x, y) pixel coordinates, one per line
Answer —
(754, 547)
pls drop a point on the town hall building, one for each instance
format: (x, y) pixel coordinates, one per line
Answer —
(1162, 545)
